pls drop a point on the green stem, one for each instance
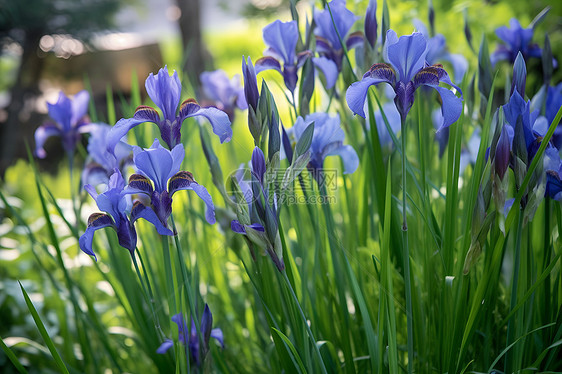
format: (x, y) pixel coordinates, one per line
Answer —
(169, 276)
(406, 256)
(510, 325)
(310, 334)
(147, 290)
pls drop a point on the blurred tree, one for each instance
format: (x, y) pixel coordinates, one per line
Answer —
(197, 58)
(24, 23)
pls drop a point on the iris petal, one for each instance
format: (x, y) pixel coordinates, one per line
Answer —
(165, 91)
(218, 119)
(282, 38)
(328, 68)
(95, 222)
(357, 93)
(407, 55)
(348, 156)
(451, 107)
(43, 133)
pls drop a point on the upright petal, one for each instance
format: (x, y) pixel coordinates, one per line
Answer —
(79, 106)
(342, 17)
(157, 163)
(165, 92)
(407, 56)
(218, 335)
(61, 111)
(282, 38)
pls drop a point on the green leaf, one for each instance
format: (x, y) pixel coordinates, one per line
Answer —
(305, 140)
(43, 332)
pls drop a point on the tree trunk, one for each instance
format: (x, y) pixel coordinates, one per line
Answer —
(196, 55)
(18, 126)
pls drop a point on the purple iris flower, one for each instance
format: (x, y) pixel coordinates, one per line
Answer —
(327, 140)
(516, 39)
(115, 203)
(70, 121)
(437, 52)
(101, 164)
(224, 93)
(190, 337)
(162, 167)
(327, 40)
(281, 39)
(407, 71)
(165, 92)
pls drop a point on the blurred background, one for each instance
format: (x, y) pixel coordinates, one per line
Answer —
(46, 45)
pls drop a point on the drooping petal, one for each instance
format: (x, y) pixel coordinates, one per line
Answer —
(451, 106)
(348, 156)
(139, 184)
(267, 63)
(118, 131)
(357, 93)
(407, 56)
(165, 91)
(218, 335)
(282, 38)
(328, 68)
(43, 133)
(167, 344)
(184, 181)
(355, 39)
(459, 64)
(218, 119)
(96, 221)
(141, 211)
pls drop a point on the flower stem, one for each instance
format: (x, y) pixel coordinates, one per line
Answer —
(406, 255)
(510, 325)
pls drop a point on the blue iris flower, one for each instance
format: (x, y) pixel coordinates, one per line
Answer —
(407, 71)
(70, 121)
(281, 39)
(515, 39)
(102, 164)
(190, 337)
(327, 140)
(115, 203)
(224, 93)
(327, 41)
(162, 167)
(165, 92)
